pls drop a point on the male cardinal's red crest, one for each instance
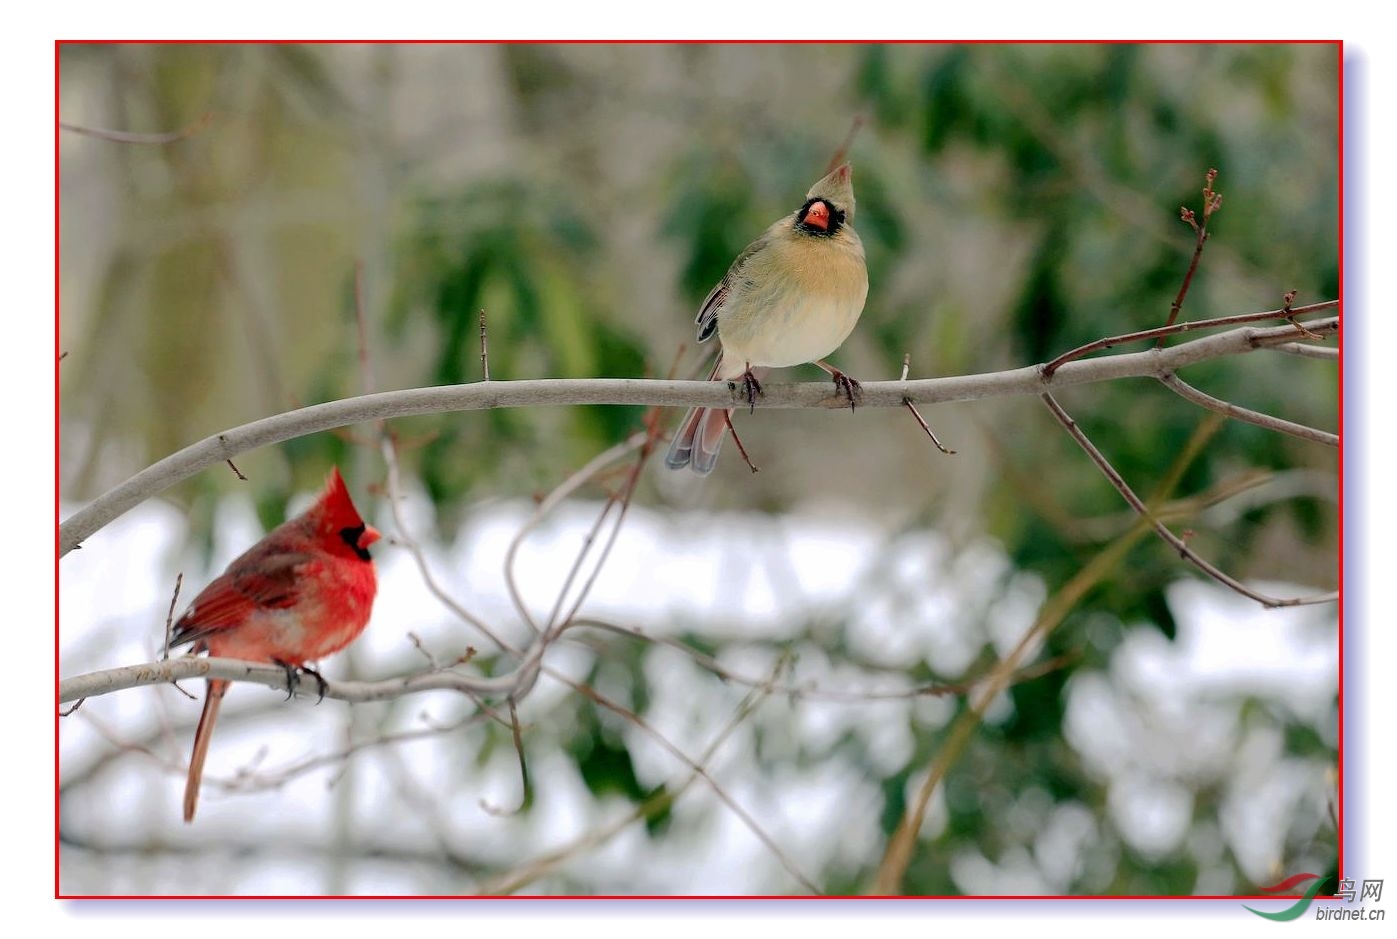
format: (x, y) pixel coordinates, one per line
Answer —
(302, 592)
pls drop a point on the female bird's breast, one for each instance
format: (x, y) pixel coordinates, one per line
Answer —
(796, 301)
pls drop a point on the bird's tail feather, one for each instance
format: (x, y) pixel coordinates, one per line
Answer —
(217, 688)
(698, 440)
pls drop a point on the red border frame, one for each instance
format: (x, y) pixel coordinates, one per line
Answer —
(57, 51)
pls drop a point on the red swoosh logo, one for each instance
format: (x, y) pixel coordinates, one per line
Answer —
(1288, 883)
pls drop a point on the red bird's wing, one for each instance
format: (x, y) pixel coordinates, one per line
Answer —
(259, 580)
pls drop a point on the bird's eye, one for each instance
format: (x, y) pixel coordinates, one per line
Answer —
(352, 536)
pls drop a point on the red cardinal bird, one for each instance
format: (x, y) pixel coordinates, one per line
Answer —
(302, 592)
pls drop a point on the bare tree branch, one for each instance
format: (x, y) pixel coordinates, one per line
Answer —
(697, 768)
(887, 881)
(1185, 552)
(1328, 353)
(1162, 331)
(123, 136)
(1212, 201)
(1203, 399)
(629, 391)
(661, 799)
(274, 676)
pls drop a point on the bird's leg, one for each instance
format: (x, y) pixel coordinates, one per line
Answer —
(851, 388)
(750, 387)
(293, 679)
(320, 683)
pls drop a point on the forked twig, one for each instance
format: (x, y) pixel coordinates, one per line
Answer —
(1157, 331)
(1212, 201)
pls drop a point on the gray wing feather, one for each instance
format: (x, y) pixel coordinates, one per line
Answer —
(707, 318)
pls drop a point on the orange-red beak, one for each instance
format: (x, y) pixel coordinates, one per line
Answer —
(818, 216)
(369, 536)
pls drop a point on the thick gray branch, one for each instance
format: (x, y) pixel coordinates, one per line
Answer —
(1152, 363)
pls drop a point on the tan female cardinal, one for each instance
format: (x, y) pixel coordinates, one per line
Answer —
(793, 296)
(302, 592)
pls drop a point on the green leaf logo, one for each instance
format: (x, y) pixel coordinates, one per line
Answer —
(1298, 908)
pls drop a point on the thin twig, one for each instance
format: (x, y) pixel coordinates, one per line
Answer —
(121, 136)
(906, 365)
(812, 692)
(727, 419)
(419, 556)
(388, 447)
(484, 350)
(548, 504)
(658, 801)
(170, 615)
(1185, 552)
(1053, 611)
(236, 472)
(1212, 201)
(1203, 399)
(416, 641)
(555, 621)
(653, 425)
(1289, 299)
(274, 780)
(526, 796)
(743, 815)
(898, 855)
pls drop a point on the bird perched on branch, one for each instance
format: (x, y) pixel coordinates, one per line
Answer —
(302, 592)
(791, 297)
